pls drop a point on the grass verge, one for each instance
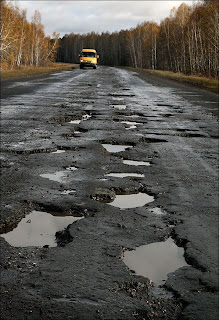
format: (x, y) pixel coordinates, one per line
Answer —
(33, 71)
(198, 81)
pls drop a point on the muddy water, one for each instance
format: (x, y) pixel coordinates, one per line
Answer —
(115, 147)
(131, 200)
(155, 260)
(38, 229)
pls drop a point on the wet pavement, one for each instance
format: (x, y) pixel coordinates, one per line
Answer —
(108, 163)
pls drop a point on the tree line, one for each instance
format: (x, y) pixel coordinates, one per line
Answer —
(23, 42)
(186, 42)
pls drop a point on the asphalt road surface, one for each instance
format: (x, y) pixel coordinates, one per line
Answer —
(98, 165)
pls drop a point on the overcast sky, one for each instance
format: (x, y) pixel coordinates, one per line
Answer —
(83, 16)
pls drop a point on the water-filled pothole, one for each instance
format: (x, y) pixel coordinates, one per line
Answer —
(136, 163)
(58, 176)
(158, 211)
(58, 151)
(84, 118)
(38, 229)
(127, 201)
(119, 106)
(70, 191)
(75, 121)
(115, 147)
(155, 260)
(124, 175)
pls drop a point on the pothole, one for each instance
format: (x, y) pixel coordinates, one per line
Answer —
(155, 260)
(70, 191)
(75, 121)
(128, 201)
(58, 176)
(78, 121)
(124, 175)
(115, 147)
(58, 151)
(38, 229)
(136, 163)
(119, 106)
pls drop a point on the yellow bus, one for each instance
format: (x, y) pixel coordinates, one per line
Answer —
(88, 58)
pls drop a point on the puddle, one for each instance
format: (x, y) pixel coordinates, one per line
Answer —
(155, 260)
(38, 229)
(68, 191)
(71, 168)
(131, 123)
(119, 106)
(124, 175)
(58, 151)
(116, 147)
(133, 116)
(117, 98)
(86, 117)
(136, 163)
(158, 211)
(131, 200)
(75, 121)
(57, 176)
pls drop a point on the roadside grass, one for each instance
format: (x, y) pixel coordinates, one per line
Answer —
(33, 71)
(198, 81)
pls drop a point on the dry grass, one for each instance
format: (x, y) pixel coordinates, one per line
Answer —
(199, 81)
(33, 71)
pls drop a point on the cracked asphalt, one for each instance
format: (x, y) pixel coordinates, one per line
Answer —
(55, 122)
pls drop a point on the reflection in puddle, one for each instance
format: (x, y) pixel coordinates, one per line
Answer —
(68, 191)
(38, 229)
(158, 211)
(115, 147)
(155, 260)
(131, 200)
(136, 163)
(124, 175)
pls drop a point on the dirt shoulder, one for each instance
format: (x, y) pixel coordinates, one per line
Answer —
(35, 71)
(195, 81)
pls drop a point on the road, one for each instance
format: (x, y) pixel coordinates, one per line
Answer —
(60, 141)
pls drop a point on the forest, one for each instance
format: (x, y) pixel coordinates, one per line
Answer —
(24, 43)
(186, 41)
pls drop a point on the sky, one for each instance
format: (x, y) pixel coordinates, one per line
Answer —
(83, 16)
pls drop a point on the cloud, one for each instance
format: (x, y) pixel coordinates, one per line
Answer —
(65, 17)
